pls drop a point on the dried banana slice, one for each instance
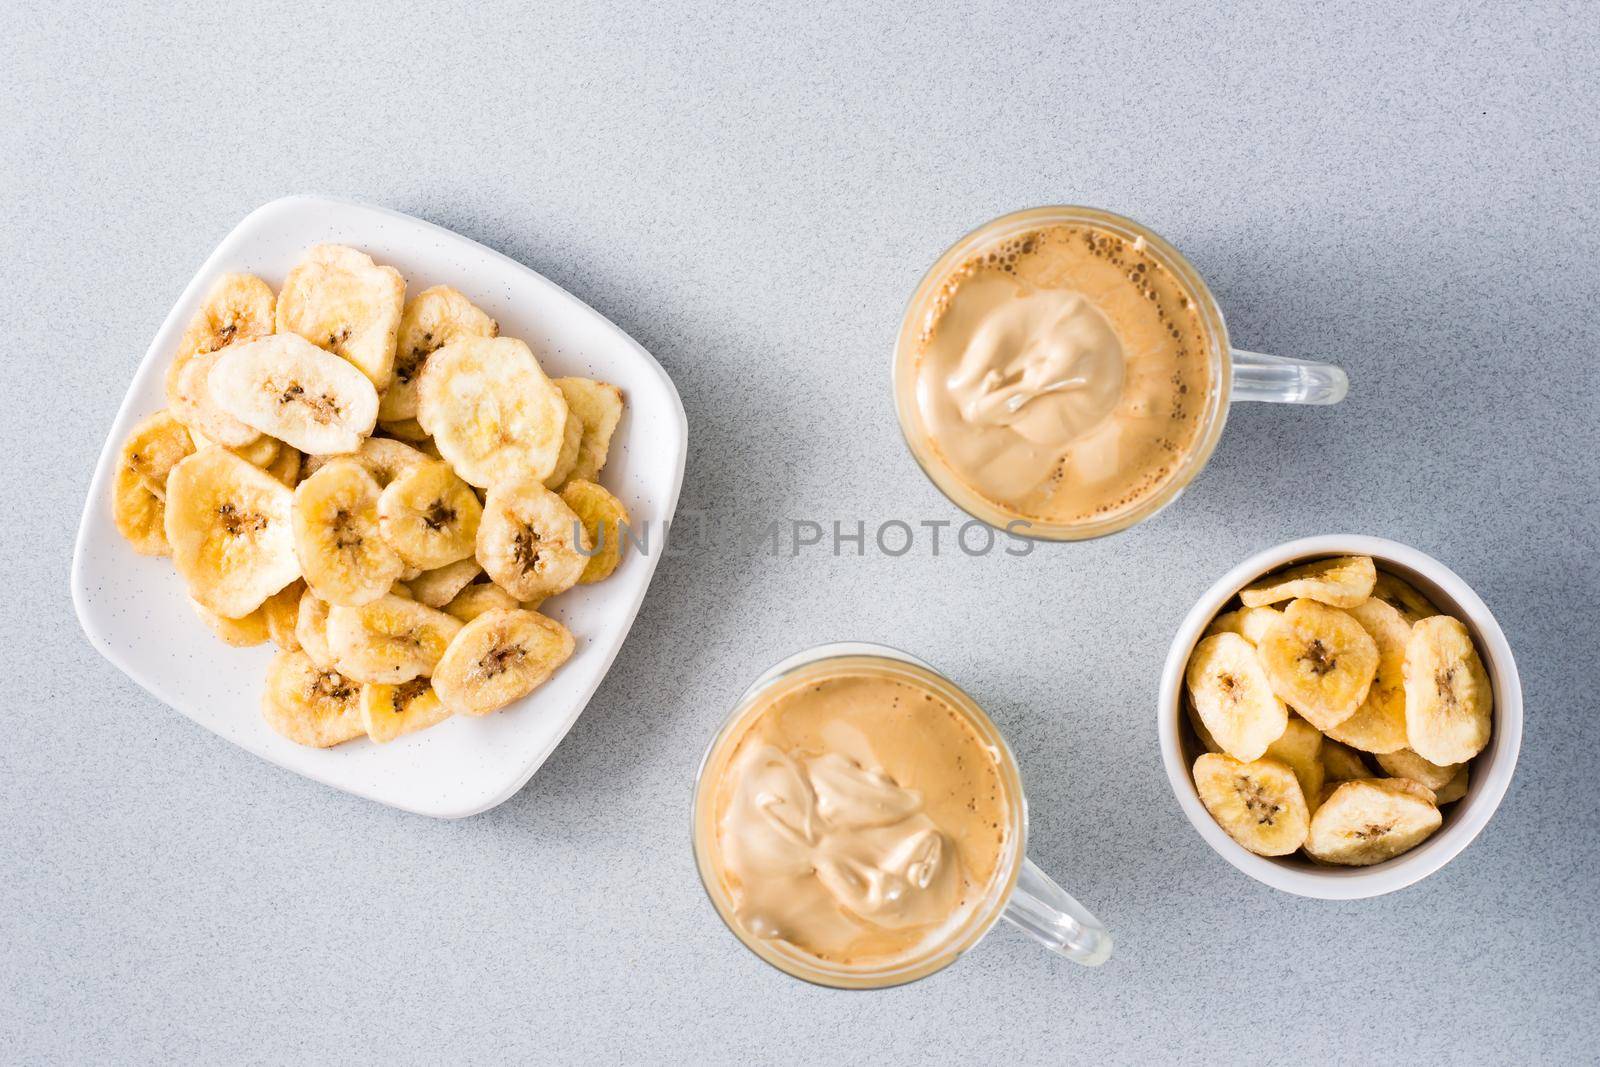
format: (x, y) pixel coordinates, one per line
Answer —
(1370, 820)
(1403, 598)
(1341, 763)
(383, 458)
(261, 452)
(1341, 583)
(311, 630)
(432, 319)
(1455, 788)
(491, 410)
(230, 530)
(139, 514)
(1255, 622)
(285, 466)
(439, 586)
(1300, 749)
(605, 520)
(337, 536)
(281, 612)
(475, 600)
(1233, 697)
(530, 542)
(1379, 724)
(244, 632)
(341, 301)
(1449, 701)
(390, 640)
(291, 389)
(1226, 623)
(154, 447)
(237, 308)
(309, 704)
(189, 398)
(599, 406)
(1259, 804)
(567, 459)
(500, 657)
(405, 429)
(388, 711)
(1320, 661)
(1198, 724)
(1407, 764)
(429, 516)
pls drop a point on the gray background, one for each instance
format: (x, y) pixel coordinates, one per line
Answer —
(753, 192)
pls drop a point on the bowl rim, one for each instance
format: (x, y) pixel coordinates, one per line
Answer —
(1472, 812)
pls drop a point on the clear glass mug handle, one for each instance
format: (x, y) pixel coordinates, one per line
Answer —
(1053, 918)
(1280, 380)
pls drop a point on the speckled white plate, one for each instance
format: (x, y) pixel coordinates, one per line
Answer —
(134, 611)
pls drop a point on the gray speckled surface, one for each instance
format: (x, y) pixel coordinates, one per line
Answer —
(752, 191)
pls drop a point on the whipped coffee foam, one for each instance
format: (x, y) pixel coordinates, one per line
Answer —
(1063, 374)
(860, 819)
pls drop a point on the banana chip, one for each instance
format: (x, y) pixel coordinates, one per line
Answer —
(237, 308)
(1340, 583)
(1341, 763)
(1299, 748)
(341, 301)
(604, 521)
(431, 319)
(154, 447)
(1259, 804)
(383, 458)
(491, 411)
(439, 586)
(598, 405)
(429, 516)
(188, 386)
(1403, 598)
(499, 658)
(1370, 820)
(243, 632)
(285, 466)
(1405, 763)
(230, 530)
(530, 542)
(338, 539)
(390, 640)
(291, 389)
(281, 612)
(567, 459)
(475, 600)
(1449, 701)
(311, 630)
(1455, 788)
(139, 514)
(388, 711)
(1320, 662)
(1379, 724)
(1233, 697)
(310, 705)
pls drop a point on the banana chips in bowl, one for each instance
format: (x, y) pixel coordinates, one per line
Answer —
(1340, 716)
(404, 466)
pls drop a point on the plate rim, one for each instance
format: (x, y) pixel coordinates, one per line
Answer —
(102, 471)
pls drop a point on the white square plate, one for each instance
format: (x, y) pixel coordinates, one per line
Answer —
(134, 611)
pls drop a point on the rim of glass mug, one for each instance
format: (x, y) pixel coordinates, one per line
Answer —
(1235, 375)
(799, 669)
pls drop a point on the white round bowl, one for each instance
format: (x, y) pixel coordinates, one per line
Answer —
(1491, 769)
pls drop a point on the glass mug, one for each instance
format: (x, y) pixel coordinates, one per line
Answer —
(1019, 891)
(1234, 374)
